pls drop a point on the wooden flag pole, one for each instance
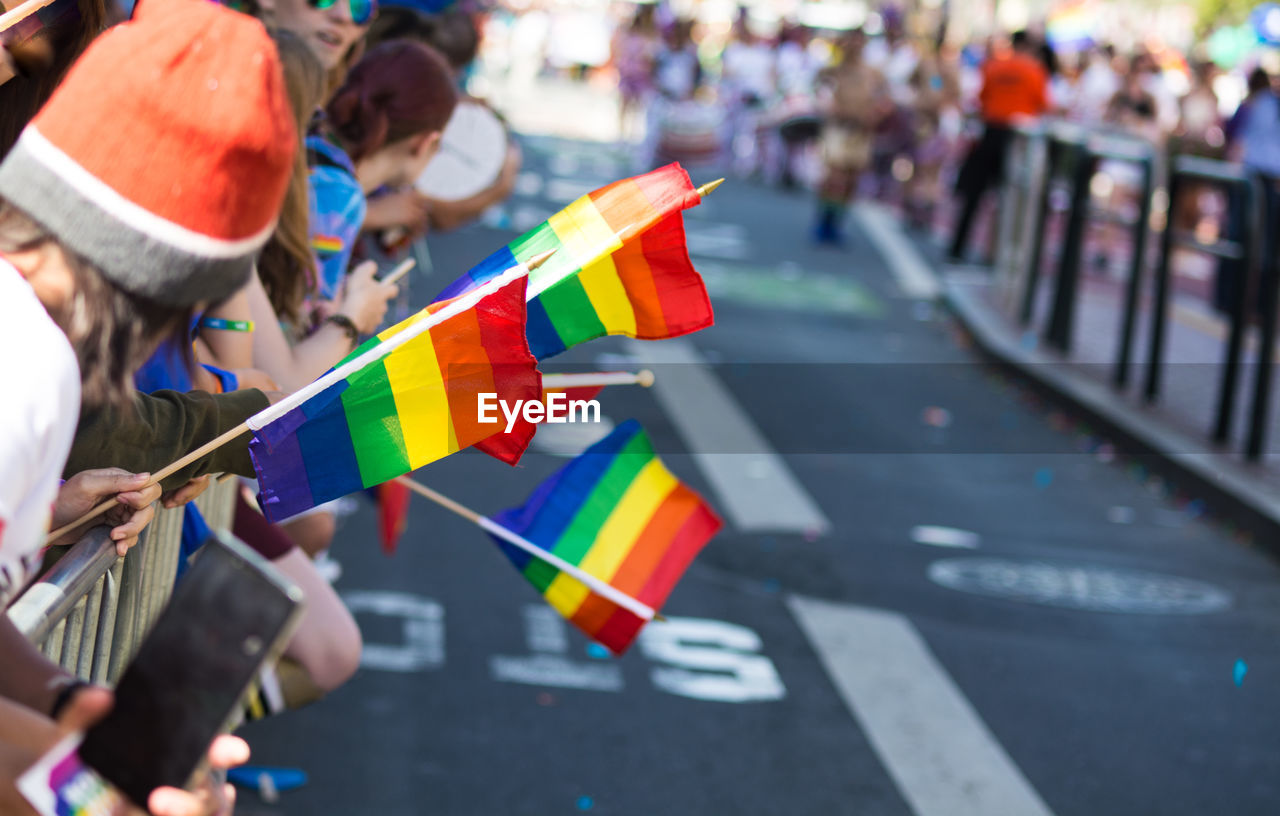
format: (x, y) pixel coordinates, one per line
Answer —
(199, 453)
(21, 12)
(644, 378)
(628, 232)
(293, 400)
(601, 588)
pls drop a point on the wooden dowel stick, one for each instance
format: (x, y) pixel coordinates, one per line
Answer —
(588, 379)
(628, 232)
(400, 271)
(593, 583)
(160, 475)
(21, 12)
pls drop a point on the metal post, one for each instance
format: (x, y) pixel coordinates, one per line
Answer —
(89, 640)
(126, 627)
(1252, 191)
(1136, 267)
(73, 636)
(1053, 151)
(1270, 301)
(1062, 318)
(1160, 304)
(106, 637)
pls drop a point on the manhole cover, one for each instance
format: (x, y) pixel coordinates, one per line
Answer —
(1096, 589)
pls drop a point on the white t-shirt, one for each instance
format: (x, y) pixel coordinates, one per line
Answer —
(37, 422)
(750, 69)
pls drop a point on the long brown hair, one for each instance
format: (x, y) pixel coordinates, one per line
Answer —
(112, 331)
(287, 266)
(399, 89)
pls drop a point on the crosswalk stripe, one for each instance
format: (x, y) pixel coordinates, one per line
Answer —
(913, 275)
(756, 489)
(935, 746)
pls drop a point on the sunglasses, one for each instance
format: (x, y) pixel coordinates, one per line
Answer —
(362, 11)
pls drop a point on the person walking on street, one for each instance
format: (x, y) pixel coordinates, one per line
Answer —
(859, 102)
(1014, 88)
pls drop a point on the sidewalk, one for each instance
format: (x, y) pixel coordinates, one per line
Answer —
(1174, 433)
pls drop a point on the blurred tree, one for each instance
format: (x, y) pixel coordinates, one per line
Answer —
(1213, 13)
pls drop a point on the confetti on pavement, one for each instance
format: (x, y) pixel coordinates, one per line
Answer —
(936, 417)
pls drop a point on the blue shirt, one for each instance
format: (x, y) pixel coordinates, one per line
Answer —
(337, 210)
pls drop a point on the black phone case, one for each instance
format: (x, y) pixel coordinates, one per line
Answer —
(229, 613)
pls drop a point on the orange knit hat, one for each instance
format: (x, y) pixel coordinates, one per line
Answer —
(163, 157)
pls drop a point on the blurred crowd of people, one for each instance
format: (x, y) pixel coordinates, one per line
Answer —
(191, 195)
(908, 117)
(190, 198)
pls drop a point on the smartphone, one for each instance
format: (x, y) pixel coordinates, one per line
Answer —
(230, 612)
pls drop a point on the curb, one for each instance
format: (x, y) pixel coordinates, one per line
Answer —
(1233, 489)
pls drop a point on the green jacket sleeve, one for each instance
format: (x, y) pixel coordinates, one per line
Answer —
(164, 426)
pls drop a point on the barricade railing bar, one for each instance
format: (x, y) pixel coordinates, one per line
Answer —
(1053, 151)
(89, 611)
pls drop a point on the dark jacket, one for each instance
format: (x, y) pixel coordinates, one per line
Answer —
(164, 427)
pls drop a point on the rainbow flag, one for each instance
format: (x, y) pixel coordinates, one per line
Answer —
(640, 285)
(616, 512)
(416, 404)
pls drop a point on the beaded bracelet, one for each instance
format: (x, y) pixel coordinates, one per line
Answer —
(228, 325)
(347, 325)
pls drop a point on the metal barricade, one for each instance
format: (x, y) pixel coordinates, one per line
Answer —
(1079, 152)
(1024, 177)
(91, 609)
(1074, 152)
(1247, 185)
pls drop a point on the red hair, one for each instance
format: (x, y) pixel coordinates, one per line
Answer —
(400, 89)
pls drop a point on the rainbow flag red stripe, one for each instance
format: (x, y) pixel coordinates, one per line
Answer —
(640, 285)
(617, 513)
(411, 407)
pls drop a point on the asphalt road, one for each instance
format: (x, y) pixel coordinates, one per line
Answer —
(933, 595)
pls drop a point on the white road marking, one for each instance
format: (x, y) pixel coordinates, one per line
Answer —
(936, 536)
(423, 627)
(915, 278)
(1080, 586)
(710, 660)
(756, 489)
(555, 671)
(935, 746)
(717, 240)
(547, 637)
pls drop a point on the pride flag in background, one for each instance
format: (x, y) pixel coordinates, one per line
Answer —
(392, 499)
(641, 285)
(509, 447)
(413, 406)
(617, 513)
